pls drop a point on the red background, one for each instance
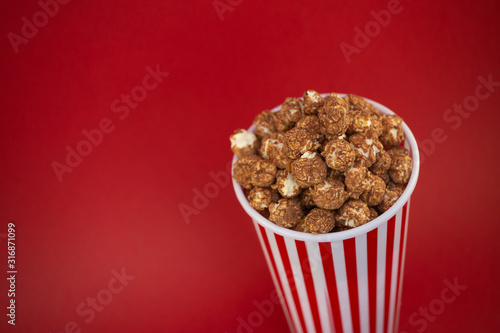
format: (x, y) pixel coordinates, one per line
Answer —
(120, 207)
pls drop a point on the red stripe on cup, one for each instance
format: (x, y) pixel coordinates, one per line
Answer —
(309, 283)
(280, 241)
(391, 225)
(352, 281)
(371, 239)
(275, 270)
(331, 283)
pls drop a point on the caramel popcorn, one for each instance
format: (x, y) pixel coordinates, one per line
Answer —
(260, 198)
(319, 221)
(243, 170)
(286, 213)
(312, 102)
(244, 143)
(309, 169)
(339, 155)
(322, 165)
(286, 186)
(265, 124)
(329, 194)
(392, 133)
(263, 173)
(299, 140)
(353, 213)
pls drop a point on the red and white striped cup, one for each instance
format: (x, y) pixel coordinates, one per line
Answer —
(348, 281)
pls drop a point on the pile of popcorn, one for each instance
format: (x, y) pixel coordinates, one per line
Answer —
(322, 165)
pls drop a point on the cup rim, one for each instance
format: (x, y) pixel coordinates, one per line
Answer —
(346, 234)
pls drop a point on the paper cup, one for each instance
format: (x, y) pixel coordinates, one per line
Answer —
(348, 281)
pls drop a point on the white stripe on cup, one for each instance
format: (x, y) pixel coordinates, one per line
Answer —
(342, 286)
(400, 288)
(394, 273)
(273, 276)
(284, 280)
(299, 284)
(318, 276)
(381, 252)
(362, 270)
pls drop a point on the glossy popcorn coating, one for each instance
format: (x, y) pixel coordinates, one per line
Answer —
(329, 194)
(353, 214)
(400, 169)
(312, 102)
(392, 132)
(264, 122)
(299, 140)
(309, 169)
(243, 170)
(260, 198)
(286, 186)
(319, 221)
(263, 173)
(244, 143)
(285, 213)
(339, 155)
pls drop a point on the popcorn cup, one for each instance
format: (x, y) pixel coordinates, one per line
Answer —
(347, 281)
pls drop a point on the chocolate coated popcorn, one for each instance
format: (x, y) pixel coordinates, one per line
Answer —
(319, 221)
(260, 198)
(286, 186)
(263, 173)
(244, 143)
(322, 164)
(312, 102)
(285, 213)
(309, 169)
(353, 214)
(339, 155)
(265, 124)
(333, 116)
(299, 140)
(329, 194)
(243, 170)
(392, 133)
